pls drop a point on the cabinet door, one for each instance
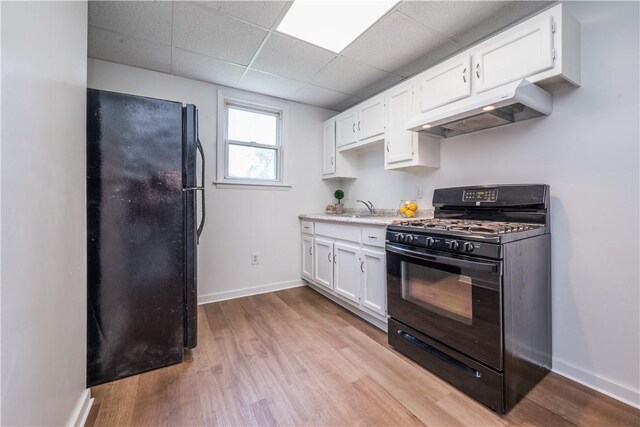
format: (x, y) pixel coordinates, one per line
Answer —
(347, 271)
(307, 257)
(323, 262)
(346, 132)
(329, 148)
(374, 281)
(371, 121)
(399, 141)
(518, 53)
(445, 83)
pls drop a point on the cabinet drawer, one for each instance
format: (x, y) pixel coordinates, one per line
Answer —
(306, 226)
(350, 233)
(373, 236)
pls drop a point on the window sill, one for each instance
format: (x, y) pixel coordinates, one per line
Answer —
(252, 186)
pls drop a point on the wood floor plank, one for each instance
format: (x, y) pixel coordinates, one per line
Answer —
(293, 357)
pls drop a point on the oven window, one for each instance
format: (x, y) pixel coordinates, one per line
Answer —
(439, 291)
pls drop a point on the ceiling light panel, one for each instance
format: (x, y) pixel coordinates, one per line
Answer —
(330, 24)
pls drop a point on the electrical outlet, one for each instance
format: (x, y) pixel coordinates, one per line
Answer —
(419, 192)
(254, 259)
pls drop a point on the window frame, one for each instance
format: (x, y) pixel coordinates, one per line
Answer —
(258, 104)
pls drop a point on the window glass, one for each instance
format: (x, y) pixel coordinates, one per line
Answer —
(250, 126)
(252, 162)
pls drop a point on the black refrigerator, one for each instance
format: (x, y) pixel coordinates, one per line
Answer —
(143, 204)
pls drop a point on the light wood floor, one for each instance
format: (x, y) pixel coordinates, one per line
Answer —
(295, 358)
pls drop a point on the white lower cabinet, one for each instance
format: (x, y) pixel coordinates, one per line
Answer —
(340, 260)
(307, 257)
(374, 280)
(347, 271)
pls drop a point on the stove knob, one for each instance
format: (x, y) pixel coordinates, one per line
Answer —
(467, 247)
(409, 238)
(400, 237)
(430, 242)
(453, 245)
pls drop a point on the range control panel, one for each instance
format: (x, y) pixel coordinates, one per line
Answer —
(480, 195)
(449, 244)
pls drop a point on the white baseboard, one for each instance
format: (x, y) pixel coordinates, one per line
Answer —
(81, 410)
(598, 383)
(239, 293)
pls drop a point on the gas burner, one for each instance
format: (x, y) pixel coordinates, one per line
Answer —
(469, 227)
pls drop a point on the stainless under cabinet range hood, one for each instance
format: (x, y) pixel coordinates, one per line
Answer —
(506, 104)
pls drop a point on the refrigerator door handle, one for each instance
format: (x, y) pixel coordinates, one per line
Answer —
(201, 188)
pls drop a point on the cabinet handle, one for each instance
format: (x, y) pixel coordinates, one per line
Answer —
(334, 258)
(354, 128)
(464, 75)
(387, 146)
(332, 160)
(478, 70)
(358, 125)
(329, 256)
(362, 266)
(310, 251)
(372, 237)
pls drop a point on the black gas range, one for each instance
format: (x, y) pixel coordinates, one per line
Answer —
(469, 290)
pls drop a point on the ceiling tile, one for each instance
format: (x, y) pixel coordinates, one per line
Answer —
(427, 61)
(315, 95)
(349, 102)
(393, 41)
(269, 84)
(126, 50)
(450, 17)
(263, 13)
(509, 14)
(290, 57)
(149, 20)
(201, 30)
(379, 85)
(347, 76)
(200, 67)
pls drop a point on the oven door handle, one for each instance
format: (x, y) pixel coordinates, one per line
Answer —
(472, 265)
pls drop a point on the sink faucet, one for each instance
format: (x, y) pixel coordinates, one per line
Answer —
(368, 204)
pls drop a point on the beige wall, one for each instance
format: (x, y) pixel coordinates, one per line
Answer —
(43, 309)
(239, 222)
(587, 150)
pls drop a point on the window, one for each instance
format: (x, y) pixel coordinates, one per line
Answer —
(250, 143)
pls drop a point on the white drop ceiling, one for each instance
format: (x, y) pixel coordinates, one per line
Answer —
(236, 44)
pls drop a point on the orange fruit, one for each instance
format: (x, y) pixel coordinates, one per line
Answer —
(413, 206)
(403, 209)
(409, 213)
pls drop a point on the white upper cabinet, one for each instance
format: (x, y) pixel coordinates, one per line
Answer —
(328, 148)
(404, 149)
(346, 128)
(515, 54)
(544, 49)
(399, 143)
(444, 83)
(371, 123)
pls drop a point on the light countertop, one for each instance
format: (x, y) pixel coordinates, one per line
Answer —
(383, 218)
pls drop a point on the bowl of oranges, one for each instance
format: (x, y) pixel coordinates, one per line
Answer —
(408, 208)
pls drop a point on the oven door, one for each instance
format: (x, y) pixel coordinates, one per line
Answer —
(453, 299)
